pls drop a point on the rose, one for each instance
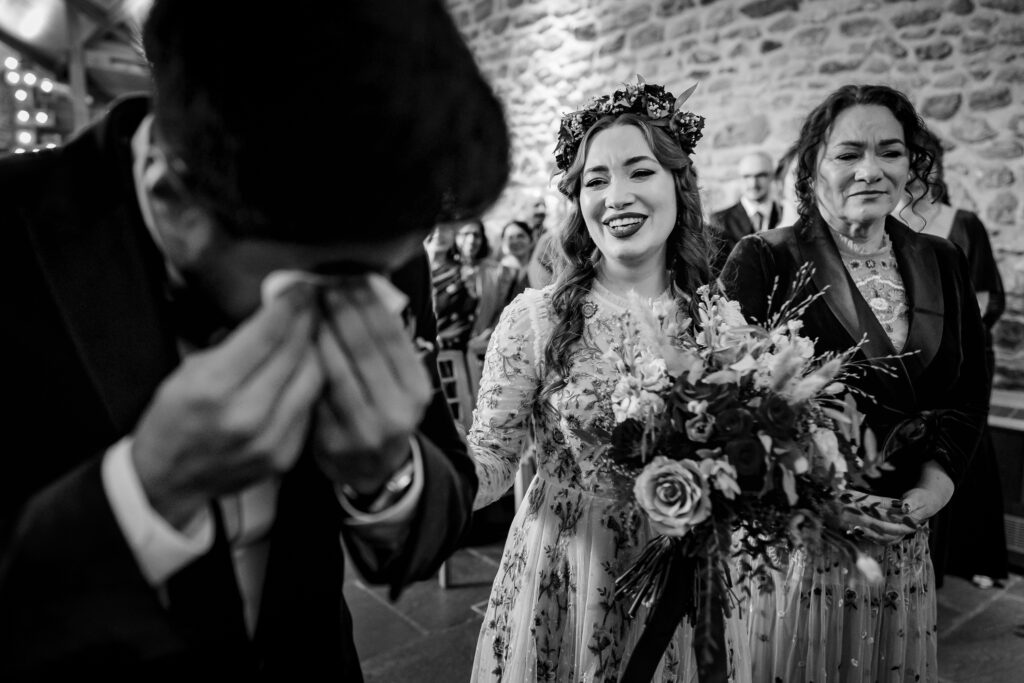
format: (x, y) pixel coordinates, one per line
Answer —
(734, 422)
(747, 455)
(673, 494)
(777, 416)
(700, 427)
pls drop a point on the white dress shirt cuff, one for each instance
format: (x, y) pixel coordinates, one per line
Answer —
(159, 548)
(403, 508)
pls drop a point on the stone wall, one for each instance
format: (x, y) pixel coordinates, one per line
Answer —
(761, 65)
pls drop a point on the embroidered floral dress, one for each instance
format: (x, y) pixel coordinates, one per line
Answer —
(552, 614)
(822, 623)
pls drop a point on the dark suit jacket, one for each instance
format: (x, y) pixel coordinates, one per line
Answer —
(87, 340)
(732, 224)
(948, 371)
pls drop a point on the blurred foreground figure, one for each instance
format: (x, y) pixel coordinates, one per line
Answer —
(215, 367)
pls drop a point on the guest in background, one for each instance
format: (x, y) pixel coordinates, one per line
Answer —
(454, 303)
(215, 385)
(969, 537)
(756, 209)
(490, 283)
(544, 255)
(516, 249)
(910, 294)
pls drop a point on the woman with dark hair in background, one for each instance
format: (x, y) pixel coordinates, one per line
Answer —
(517, 243)
(924, 389)
(969, 538)
(490, 283)
(635, 223)
(454, 304)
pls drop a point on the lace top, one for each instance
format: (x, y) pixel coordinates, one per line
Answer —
(878, 280)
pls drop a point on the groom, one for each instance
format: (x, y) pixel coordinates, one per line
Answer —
(210, 380)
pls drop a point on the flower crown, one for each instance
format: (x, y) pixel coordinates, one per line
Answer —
(646, 99)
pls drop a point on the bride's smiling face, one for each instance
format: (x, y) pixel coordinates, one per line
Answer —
(627, 198)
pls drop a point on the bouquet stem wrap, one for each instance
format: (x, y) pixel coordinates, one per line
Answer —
(687, 591)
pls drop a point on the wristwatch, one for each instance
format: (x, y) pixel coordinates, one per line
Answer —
(392, 491)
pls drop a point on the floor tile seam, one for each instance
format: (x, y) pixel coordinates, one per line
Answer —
(978, 609)
(390, 607)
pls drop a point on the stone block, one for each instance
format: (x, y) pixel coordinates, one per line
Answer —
(721, 16)
(632, 17)
(860, 27)
(1011, 35)
(1002, 207)
(784, 23)
(916, 17)
(934, 51)
(670, 8)
(752, 131)
(961, 7)
(647, 36)
(951, 80)
(1011, 6)
(889, 46)
(970, 45)
(614, 45)
(1002, 149)
(1010, 74)
(833, 66)
(986, 99)
(810, 37)
(972, 129)
(995, 178)
(482, 10)
(764, 8)
(1016, 125)
(941, 107)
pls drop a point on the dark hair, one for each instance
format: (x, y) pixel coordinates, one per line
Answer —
(785, 161)
(817, 125)
(688, 244)
(522, 225)
(484, 250)
(937, 188)
(421, 129)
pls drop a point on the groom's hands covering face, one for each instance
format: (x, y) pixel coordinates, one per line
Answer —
(235, 414)
(377, 387)
(328, 363)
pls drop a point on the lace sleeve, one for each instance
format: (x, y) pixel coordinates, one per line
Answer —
(508, 389)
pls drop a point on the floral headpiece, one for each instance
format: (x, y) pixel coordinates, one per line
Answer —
(642, 98)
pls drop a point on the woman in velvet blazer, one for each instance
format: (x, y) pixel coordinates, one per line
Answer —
(909, 297)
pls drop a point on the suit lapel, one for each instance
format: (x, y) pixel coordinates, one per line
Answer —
(920, 271)
(831, 278)
(112, 308)
(740, 225)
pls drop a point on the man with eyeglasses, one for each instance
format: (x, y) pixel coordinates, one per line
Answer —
(755, 211)
(215, 346)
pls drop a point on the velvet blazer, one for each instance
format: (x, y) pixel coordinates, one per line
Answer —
(941, 382)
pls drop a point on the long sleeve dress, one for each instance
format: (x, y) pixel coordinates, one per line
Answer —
(552, 614)
(821, 623)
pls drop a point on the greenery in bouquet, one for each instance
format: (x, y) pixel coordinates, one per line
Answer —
(738, 439)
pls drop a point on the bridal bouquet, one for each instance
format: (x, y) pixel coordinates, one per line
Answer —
(738, 439)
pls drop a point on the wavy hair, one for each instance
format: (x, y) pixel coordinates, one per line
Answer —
(482, 251)
(818, 124)
(689, 244)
